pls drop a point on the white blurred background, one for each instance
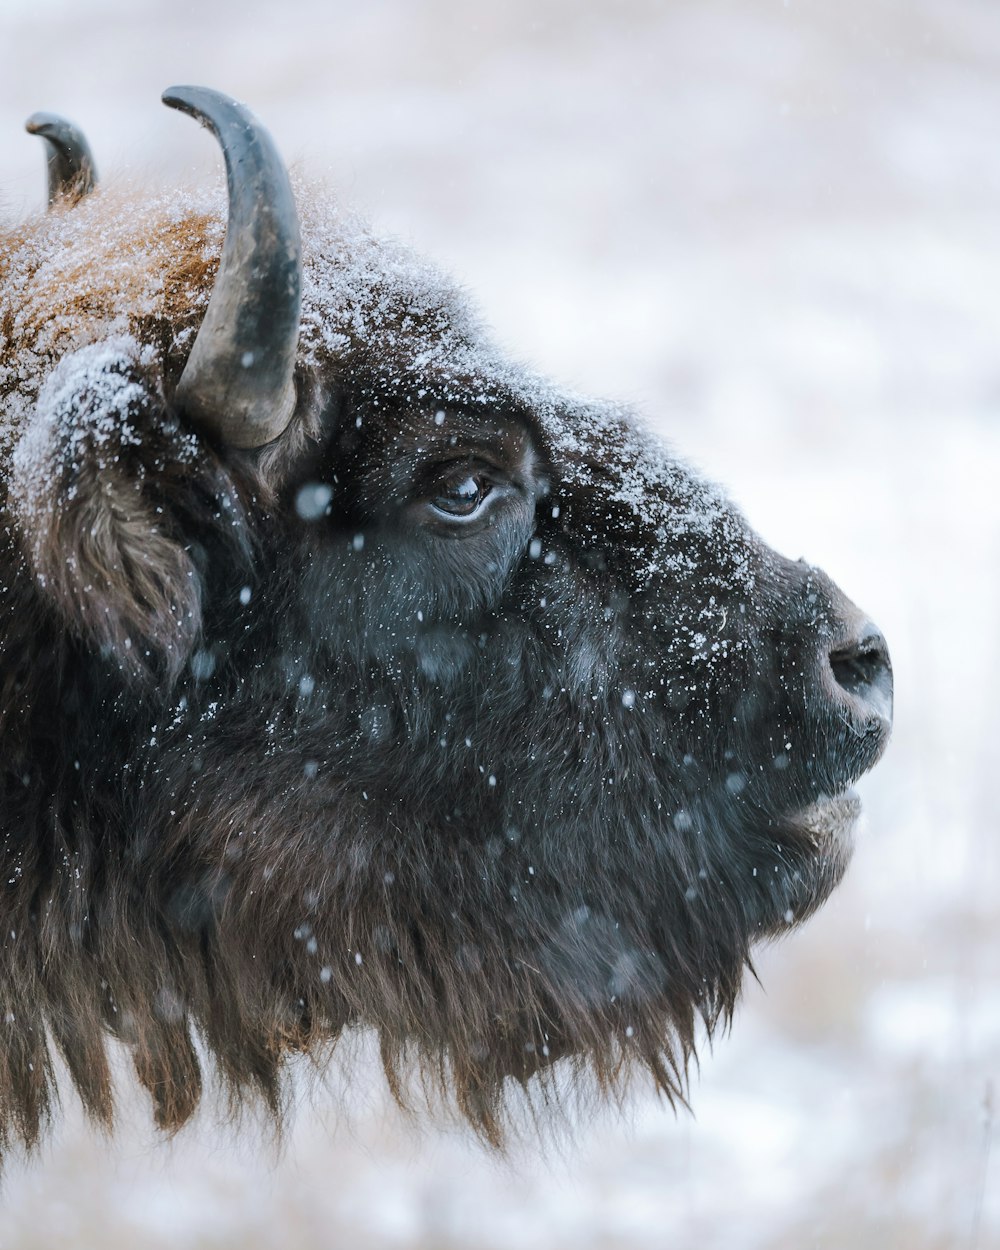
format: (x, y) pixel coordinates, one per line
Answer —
(774, 225)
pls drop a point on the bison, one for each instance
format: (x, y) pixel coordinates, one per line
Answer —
(353, 676)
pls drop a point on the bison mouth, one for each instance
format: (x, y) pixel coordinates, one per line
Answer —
(829, 820)
(817, 842)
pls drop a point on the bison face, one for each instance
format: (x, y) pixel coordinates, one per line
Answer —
(572, 661)
(393, 688)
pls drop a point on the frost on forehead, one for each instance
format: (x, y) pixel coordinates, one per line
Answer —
(362, 289)
(681, 518)
(359, 288)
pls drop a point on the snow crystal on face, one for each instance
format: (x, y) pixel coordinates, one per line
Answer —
(313, 500)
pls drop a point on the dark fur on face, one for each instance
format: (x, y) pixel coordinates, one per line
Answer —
(464, 712)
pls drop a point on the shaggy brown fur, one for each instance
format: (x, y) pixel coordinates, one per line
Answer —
(287, 749)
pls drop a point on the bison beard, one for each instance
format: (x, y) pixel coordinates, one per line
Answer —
(453, 707)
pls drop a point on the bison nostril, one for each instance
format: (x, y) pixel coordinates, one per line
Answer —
(863, 670)
(856, 670)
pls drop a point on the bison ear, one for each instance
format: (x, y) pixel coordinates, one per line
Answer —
(92, 484)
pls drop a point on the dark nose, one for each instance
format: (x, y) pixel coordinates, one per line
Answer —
(862, 675)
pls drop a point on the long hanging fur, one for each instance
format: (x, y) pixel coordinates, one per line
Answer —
(284, 754)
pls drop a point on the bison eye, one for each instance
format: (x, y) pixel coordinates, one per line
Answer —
(461, 495)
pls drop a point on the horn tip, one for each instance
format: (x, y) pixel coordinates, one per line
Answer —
(171, 97)
(39, 123)
(191, 99)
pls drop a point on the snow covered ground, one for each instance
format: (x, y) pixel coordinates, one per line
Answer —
(775, 226)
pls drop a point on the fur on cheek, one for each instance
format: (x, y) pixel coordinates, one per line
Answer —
(84, 484)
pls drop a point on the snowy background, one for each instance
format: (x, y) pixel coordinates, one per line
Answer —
(774, 225)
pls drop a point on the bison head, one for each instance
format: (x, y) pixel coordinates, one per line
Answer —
(354, 676)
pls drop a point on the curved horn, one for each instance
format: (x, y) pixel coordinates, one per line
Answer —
(71, 166)
(238, 379)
